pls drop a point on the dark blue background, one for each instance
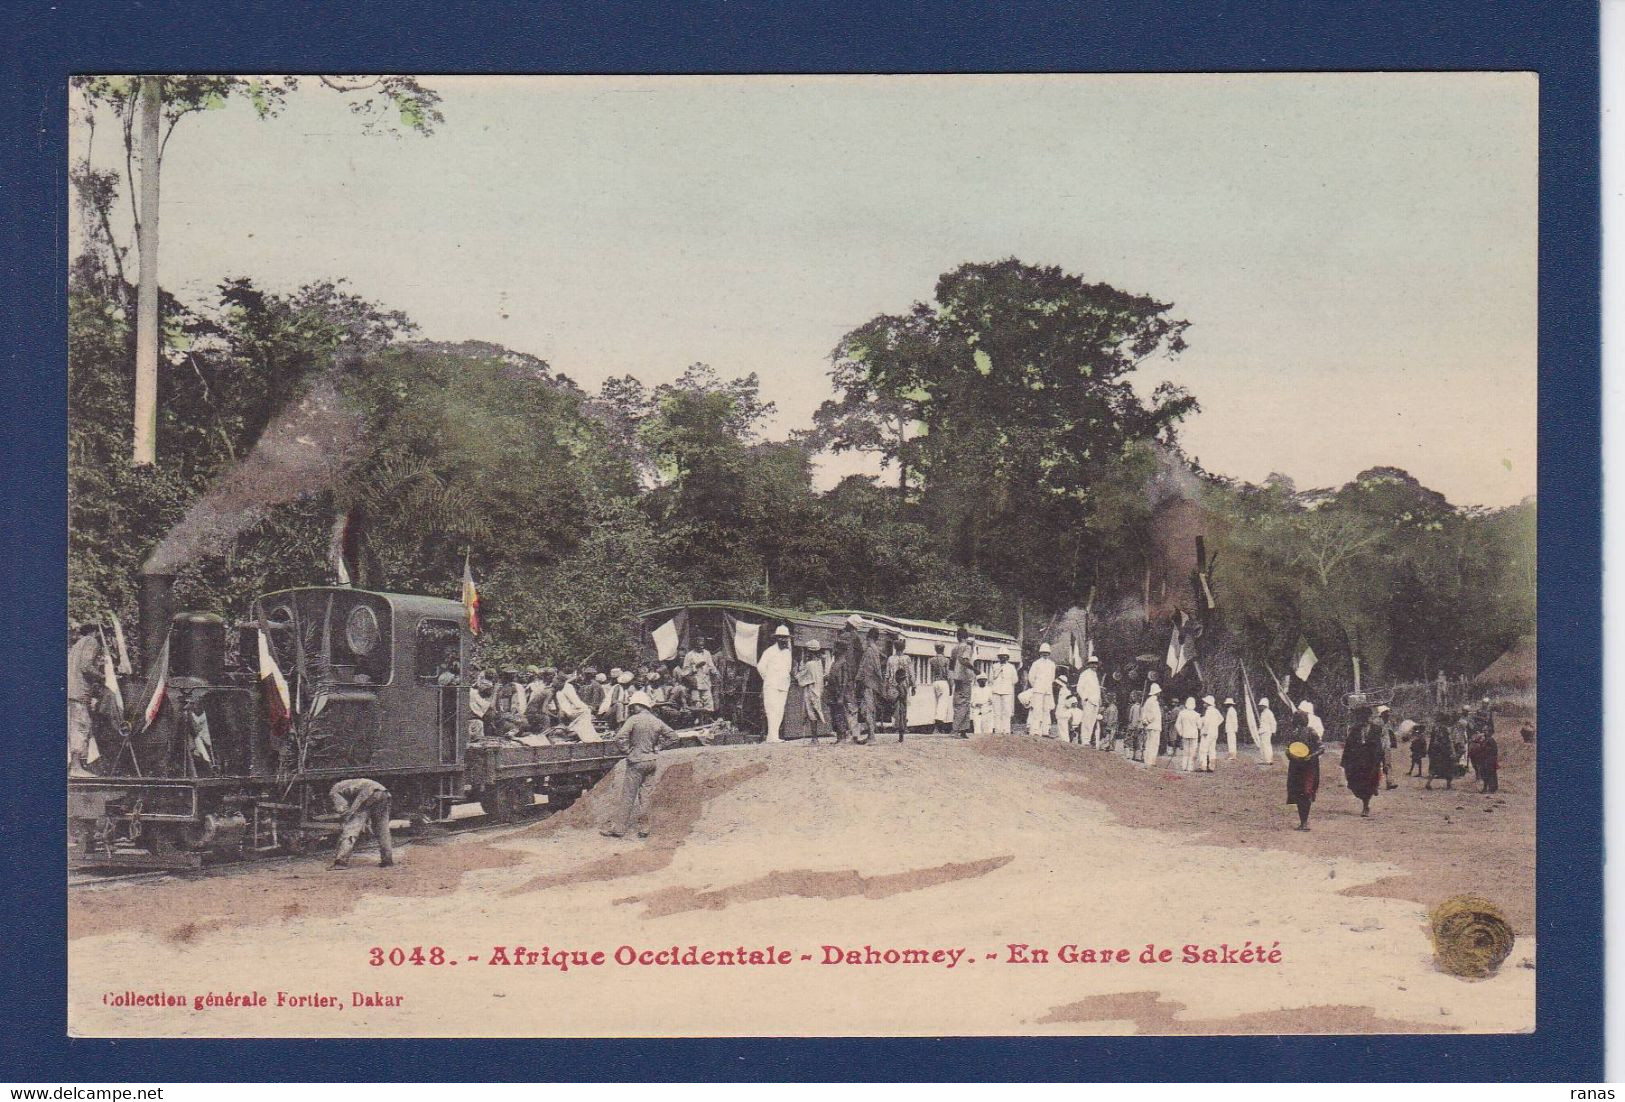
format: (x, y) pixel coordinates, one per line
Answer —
(44, 43)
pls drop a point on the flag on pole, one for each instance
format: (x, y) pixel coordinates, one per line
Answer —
(471, 597)
(157, 686)
(668, 637)
(114, 695)
(273, 686)
(1265, 752)
(1176, 653)
(1280, 688)
(123, 648)
(746, 640)
(1077, 654)
(1305, 664)
(338, 547)
(202, 744)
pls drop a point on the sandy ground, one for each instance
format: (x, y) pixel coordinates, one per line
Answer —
(963, 849)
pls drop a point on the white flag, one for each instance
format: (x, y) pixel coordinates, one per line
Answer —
(666, 638)
(123, 650)
(1265, 753)
(1306, 663)
(745, 640)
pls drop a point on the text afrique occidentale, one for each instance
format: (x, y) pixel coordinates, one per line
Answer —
(1246, 953)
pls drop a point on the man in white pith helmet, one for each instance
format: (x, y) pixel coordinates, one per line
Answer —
(1207, 747)
(1089, 705)
(1266, 729)
(1188, 729)
(645, 735)
(1151, 723)
(1041, 680)
(1002, 682)
(774, 667)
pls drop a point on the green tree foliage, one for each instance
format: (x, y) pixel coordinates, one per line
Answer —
(1017, 380)
(1045, 480)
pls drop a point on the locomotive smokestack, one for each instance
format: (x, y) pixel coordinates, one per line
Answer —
(156, 606)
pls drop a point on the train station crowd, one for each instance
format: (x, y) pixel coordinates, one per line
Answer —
(860, 689)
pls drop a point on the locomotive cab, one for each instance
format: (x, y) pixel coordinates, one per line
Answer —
(379, 675)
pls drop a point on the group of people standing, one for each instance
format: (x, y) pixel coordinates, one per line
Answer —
(864, 685)
(1449, 744)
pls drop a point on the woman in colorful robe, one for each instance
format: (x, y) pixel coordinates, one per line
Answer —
(1303, 772)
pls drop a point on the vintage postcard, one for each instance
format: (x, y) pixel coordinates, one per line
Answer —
(802, 556)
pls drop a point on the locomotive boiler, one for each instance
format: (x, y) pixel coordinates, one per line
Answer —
(376, 686)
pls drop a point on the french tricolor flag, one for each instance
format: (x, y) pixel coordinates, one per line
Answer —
(273, 686)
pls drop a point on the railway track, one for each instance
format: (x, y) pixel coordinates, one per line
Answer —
(80, 880)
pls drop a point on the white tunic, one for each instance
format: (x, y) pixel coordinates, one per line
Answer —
(774, 666)
(1089, 687)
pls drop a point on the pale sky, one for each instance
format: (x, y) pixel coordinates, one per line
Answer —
(1356, 252)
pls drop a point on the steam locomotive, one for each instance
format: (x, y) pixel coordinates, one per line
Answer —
(378, 689)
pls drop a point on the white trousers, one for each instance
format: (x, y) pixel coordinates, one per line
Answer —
(1230, 741)
(1187, 754)
(1038, 716)
(1153, 743)
(1004, 710)
(773, 701)
(945, 701)
(1088, 717)
(980, 718)
(1207, 749)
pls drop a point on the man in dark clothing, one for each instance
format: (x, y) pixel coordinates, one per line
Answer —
(363, 803)
(841, 687)
(899, 689)
(1441, 751)
(871, 685)
(1489, 764)
(1362, 758)
(962, 672)
(645, 735)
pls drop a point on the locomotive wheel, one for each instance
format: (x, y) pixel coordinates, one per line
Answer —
(161, 839)
(507, 800)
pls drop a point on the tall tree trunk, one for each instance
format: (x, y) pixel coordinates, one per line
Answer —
(145, 451)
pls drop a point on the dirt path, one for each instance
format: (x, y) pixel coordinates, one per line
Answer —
(961, 850)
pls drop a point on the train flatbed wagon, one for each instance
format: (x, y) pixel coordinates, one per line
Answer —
(376, 688)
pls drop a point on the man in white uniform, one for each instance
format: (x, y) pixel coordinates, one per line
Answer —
(981, 705)
(1089, 705)
(1266, 730)
(574, 711)
(1001, 683)
(1188, 729)
(1066, 716)
(1207, 748)
(1041, 680)
(1151, 721)
(1232, 724)
(774, 666)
